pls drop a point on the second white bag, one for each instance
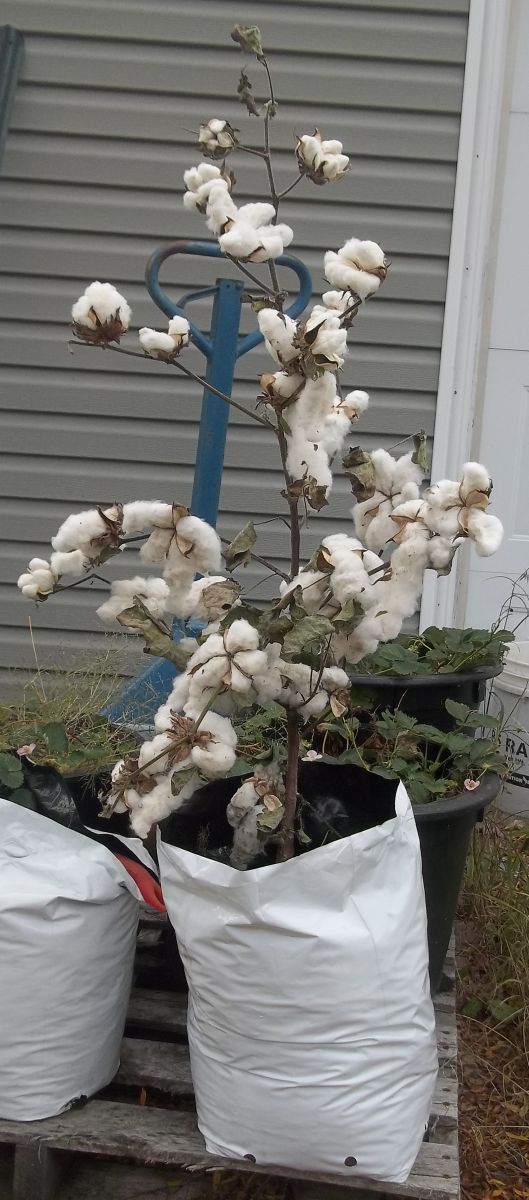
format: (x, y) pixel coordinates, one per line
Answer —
(311, 1028)
(68, 921)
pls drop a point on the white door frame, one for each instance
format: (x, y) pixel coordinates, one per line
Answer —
(479, 177)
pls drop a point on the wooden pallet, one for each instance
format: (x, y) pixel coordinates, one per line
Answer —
(116, 1126)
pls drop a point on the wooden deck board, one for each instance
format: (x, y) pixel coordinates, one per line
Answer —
(161, 1139)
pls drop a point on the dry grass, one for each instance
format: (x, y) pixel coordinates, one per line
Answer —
(493, 1019)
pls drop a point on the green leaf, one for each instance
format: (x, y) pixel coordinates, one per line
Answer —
(157, 635)
(239, 551)
(248, 37)
(56, 737)
(241, 766)
(473, 1008)
(457, 710)
(307, 635)
(420, 453)
(11, 773)
(501, 1011)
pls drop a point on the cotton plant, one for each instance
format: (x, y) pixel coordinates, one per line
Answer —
(333, 608)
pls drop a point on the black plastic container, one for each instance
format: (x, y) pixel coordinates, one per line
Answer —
(445, 828)
(423, 696)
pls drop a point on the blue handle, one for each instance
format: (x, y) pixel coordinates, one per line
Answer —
(213, 250)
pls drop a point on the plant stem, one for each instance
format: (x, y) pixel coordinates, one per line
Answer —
(237, 263)
(264, 561)
(287, 843)
(180, 367)
(290, 187)
(293, 507)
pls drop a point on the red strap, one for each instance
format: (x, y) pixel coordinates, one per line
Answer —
(149, 887)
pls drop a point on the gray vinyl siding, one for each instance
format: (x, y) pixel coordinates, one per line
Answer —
(90, 185)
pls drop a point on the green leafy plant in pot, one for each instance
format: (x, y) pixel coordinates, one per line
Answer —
(250, 801)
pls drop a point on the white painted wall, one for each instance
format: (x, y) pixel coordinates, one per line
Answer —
(501, 436)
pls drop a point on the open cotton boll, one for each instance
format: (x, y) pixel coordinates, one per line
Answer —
(241, 636)
(358, 267)
(195, 177)
(315, 403)
(214, 753)
(405, 472)
(256, 214)
(273, 240)
(304, 457)
(68, 562)
(102, 305)
(154, 755)
(206, 552)
(38, 581)
(159, 803)
(321, 160)
(329, 346)
(80, 530)
(335, 431)
(355, 403)
(475, 478)
(441, 551)
(240, 240)
(138, 515)
(153, 592)
(314, 585)
(485, 530)
(174, 703)
(178, 330)
(155, 343)
(220, 208)
(279, 331)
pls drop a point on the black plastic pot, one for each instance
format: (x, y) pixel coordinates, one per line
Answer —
(423, 696)
(445, 828)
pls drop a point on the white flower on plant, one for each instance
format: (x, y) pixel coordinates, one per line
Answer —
(38, 581)
(123, 592)
(101, 314)
(359, 267)
(319, 159)
(312, 756)
(217, 138)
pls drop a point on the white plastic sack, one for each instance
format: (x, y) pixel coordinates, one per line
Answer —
(68, 921)
(311, 1028)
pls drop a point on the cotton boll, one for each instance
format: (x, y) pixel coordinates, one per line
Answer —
(140, 514)
(123, 592)
(157, 805)
(355, 403)
(69, 562)
(194, 177)
(305, 458)
(242, 801)
(406, 471)
(358, 267)
(178, 330)
(313, 406)
(475, 478)
(329, 346)
(385, 469)
(38, 581)
(149, 758)
(79, 530)
(273, 240)
(206, 552)
(381, 528)
(241, 636)
(441, 551)
(256, 214)
(314, 585)
(485, 530)
(278, 330)
(103, 310)
(241, 240)
(156, 343)
(335, 431)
